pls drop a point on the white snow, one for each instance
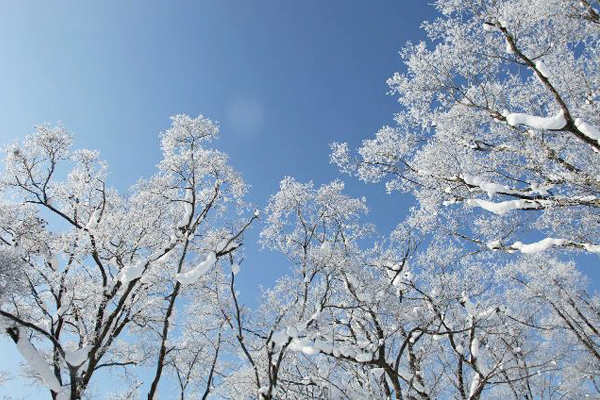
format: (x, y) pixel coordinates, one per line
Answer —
(414, 336)
(257, 213)
(541, 67)
(263, 390)
(540, 189)
(392, 268)
(54, 262)
(393, 272)
(475, 347)
(592, 248)
(351, 281)
(342, 350)
(188, 206)
(61, 310)
(504, 206)
(588, 130)
(494, 244)
(323, 346)
(474, 386)
(297, 344)
(93, 221)
(292, 332)
(227, 245)
(469, 306)
(48, 323)
(195, 274)
(131, 272)
(309, 350)
(556, 122)
(347, 351)
(537, 247)
(235, 268)
(37, 362)
(418, 387)
(364, 357)
(316, 314)
(486, 313)
(407, 376)
(489, 27)
(301, 326)
(447, 203)
(509, 49)
(159, 256)
(77, 357)
(489, 187)
(407, 276)
(377, 372)
(279, 338)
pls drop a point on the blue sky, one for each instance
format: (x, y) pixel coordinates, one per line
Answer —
(282, 78)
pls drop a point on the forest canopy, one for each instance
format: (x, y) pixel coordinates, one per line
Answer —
(478, 292)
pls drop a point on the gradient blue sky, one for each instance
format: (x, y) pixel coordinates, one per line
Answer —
(282, 78)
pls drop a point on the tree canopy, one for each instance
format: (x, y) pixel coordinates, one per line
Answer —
(476, 294)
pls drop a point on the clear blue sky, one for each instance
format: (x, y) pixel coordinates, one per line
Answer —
(283, 79)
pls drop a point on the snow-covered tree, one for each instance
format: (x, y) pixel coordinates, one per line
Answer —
(102, 272)
(472, 296)
(498, 126)
(498, 140)
(393, 321)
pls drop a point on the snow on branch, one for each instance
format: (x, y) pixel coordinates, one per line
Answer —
(543, 245)
(94, 219)
(489, 187)
(188, 206)
(552, 123)
(194, 274)
(132, 271)
(505, 206)
(541, 67)
(588, 130)
(77, 357)
(539, 246)
(37, 362)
